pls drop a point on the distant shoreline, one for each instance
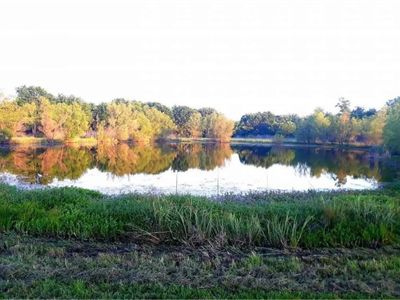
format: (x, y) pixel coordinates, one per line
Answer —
(17, 141)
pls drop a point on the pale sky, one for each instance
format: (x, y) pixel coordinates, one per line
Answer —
(236, 56)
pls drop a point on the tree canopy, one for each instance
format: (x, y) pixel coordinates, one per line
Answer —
(36, 112)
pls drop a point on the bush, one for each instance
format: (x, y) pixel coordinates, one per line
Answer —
(5, 135)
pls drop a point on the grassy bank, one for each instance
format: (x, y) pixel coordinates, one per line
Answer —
(47, 268)
(294, 142)
(307, 220)
(73, 243)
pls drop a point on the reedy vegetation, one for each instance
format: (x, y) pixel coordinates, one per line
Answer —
(35, 112)
(280, 220)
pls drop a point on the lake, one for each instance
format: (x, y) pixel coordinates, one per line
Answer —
(201, 169)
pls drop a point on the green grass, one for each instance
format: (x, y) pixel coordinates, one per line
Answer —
(75, 243)
(367, 219)
(79, 289)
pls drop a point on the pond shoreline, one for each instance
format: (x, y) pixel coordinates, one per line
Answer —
(82, 244)
(233, 141)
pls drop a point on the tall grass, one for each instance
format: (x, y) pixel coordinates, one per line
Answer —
(348, 220)
(286, 232)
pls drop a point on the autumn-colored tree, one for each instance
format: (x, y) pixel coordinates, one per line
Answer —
(161, 123)
(218, 127)
(118, 121)
(193, 125)
(375, 127)
(342, 123)
(136, 121)
(62, 121)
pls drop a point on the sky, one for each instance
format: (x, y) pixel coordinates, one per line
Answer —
(236, 56)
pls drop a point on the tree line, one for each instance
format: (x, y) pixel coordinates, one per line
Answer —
(36, 112)
(347, 126)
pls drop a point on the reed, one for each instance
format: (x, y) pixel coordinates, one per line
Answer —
(342, 220)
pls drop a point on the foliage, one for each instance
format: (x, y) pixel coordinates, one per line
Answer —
(160, 107)
(391, 131)
(14, 118)
(5, 135)
(29, 94)
(266, 124)
(361, 113)
(357, 126)
(218, 127)
(135, 121)
(61, 120)
(123, 120)
(186, 124)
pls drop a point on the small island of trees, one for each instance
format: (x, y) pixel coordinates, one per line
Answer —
(36, 113)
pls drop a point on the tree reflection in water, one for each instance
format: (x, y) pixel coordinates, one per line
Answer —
(43, 165)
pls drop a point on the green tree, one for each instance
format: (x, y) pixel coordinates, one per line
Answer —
(14, 118)
(28, 94)
(160, 107)
(162, 124)
(391, 131)
(62, 121)
(307, 131)
(182, 117)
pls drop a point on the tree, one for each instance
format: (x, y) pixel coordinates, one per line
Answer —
(28, 94)
(14, 118)
(266, 124)
(344, 105)
(62, 121)
(205, 111)
(135, 121)
(322, 123)
(182, 118)
(391, 131)
(218, 127)
(193, 125)
(119, 121)
(306, 131)
(99, 115)
(33, 95)
(77, 121)
(361, 113)
(160, 107)
(342, 122)
(141, 128)
(52, 118)
(162, 124)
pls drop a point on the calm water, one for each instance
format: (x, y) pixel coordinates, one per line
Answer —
(195, 168)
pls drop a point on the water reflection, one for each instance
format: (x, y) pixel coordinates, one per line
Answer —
(339, 163)
(45, 165)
